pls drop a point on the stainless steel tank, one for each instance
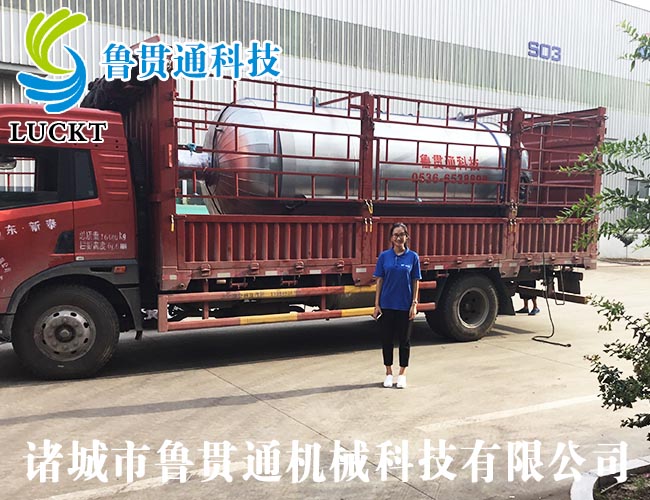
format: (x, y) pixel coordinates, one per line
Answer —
(479, 156)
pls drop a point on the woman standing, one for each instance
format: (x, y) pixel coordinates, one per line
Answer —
(396, 300)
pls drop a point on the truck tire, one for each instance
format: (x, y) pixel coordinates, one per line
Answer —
(468, 308)
(65, 332)
(434, 320)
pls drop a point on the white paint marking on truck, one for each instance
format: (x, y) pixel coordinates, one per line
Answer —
(223, 275)
(497, 415)
(144, 484)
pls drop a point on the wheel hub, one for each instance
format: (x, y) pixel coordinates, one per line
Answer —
(65, 334)
(473, 308)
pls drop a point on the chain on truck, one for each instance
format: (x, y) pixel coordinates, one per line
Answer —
(296, 189)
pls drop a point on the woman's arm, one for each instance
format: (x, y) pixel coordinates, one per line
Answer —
(377, 311)
(414, 304)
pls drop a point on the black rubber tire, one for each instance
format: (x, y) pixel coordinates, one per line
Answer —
(66, 332)
(468, 308)
(434, 320)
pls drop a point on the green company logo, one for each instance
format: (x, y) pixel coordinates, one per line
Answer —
(59, 93)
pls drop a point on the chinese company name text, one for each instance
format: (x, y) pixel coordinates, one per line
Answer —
(268, 461)
(191, 60)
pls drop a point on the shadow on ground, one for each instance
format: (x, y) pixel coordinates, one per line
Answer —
(161, 352)
(151, 408)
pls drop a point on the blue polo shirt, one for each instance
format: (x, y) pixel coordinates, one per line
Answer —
(398, 273)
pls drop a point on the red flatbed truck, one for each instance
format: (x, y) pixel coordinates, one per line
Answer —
(299, 200)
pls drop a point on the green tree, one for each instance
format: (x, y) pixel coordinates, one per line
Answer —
(619, 388)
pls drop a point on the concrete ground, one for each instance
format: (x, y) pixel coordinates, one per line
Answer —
(313, 384)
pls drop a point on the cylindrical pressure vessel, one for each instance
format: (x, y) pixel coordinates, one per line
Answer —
(265, 153)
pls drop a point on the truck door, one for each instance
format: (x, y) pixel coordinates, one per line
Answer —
(38, 185)
(103, 214)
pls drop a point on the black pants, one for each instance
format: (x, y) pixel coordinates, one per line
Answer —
(530, 284)
(395, 323)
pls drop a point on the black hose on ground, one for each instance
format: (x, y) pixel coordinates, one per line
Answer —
(545, 338)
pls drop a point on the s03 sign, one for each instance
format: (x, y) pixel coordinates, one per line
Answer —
(544, 51)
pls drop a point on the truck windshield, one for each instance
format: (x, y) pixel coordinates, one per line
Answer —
(44, 175)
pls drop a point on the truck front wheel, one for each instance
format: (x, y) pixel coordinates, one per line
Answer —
(468, 308)
(65, 332)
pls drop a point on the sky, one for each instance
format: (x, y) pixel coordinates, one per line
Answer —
(643, 4)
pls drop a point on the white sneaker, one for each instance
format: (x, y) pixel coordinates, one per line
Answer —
(388, 381)
(401, 382)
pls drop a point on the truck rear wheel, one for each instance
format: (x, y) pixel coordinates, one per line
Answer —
(468, 308)
(65, 332)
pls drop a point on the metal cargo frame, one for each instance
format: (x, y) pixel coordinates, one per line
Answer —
(232, 249)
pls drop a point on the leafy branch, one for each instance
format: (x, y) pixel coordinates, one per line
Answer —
(642, 51)
(626, 385)
(613, 158)
(619, 389)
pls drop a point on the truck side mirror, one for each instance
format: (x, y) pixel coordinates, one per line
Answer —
(7, 162)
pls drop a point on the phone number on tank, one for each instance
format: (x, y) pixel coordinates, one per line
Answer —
(429, 178)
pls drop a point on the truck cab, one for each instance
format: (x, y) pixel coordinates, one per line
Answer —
(67, 226)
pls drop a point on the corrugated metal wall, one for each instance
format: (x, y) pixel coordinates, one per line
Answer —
(465, 51)
(473, 44)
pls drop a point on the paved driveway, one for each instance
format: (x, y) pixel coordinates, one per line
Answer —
(288, 396)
